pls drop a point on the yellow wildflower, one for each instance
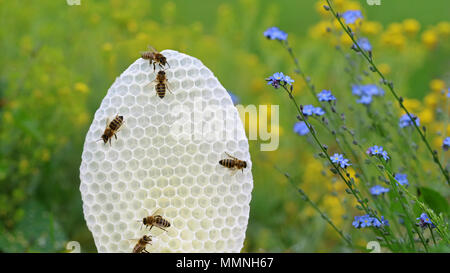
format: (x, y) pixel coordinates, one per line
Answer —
(81, 87)
(437, 85)
(426, 116)
(431, 100)
(384, 68)
(371, 28)
(107, 47)
(411, 26)
(443, 28)
(45, 155)
(412, 105)
(430, 39)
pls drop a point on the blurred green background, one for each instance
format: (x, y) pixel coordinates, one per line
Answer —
(57, 62)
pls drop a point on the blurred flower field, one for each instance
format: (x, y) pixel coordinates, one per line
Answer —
(58, 62)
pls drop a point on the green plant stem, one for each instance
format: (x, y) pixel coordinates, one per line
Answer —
(391, 88)
(305, 197)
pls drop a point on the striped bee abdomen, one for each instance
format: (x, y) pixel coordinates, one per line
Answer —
(162, 222)
(116, 123)
(229, 163)
(161, 90)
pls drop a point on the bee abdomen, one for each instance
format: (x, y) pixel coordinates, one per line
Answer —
(115, 124)
(162, 222)
(229, 163)
(161, 90)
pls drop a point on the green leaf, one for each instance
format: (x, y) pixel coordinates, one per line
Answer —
(434, 200)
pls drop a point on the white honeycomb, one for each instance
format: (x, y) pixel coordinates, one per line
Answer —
(155, 164)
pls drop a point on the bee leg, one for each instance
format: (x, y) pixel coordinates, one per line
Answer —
(145, 250)
(110, 142)
(163, 229)
(167, 86)
(150, 227)
(115, 136)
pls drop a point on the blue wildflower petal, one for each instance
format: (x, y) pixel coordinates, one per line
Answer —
(401, 179)
(301, 128)
(446, 143)
(325, 95)
(405, 121)
(364, 44)
(351, 16)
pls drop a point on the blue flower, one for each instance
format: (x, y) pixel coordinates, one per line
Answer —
(377, 190)
(325, 95)
(401, 179)
(365, 92)
(279, 79)
(377, 223)
(288, 80)
(406, 121)
(446, 143)
(350, 16)
(309, 110)
(301, 128)
(424, 221)
(364, 44)
(367, 221)
(275, 33)
(340, 160)
(235, 99)
(377, 151)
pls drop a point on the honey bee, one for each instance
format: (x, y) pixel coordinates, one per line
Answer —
(111, 129)
(233, 163)
(156, 220)
(161, 84)
(142, 244)
(154, 58)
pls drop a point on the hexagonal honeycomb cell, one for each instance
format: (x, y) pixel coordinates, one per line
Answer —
(166, 156)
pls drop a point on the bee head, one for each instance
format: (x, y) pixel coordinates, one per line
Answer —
(161, 73)
(105, 138)
(161, 58)
(245, 164)
(147, 238)
(144, 221)
(121, 117)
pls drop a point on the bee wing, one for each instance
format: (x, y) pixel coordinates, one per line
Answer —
(157, 211)
(151, 48)
(231, 156)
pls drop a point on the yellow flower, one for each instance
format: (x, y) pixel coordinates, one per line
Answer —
(411, 26)
(45, 155)
(320, 29)
(23, 166)
(81, 87)
(371, 28)
(426, 116)
(430, 39)
(384, 68)
(395, 28)
(334, 208)
(142, 36)
(320, 9)
(7, 117)
(443, 28)
(437, 85)
(412, 105)
(346, 40)
(107, 47)
(132, 26)
(431, 100)
(350, 5)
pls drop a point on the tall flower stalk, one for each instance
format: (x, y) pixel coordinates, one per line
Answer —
(369, 58)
